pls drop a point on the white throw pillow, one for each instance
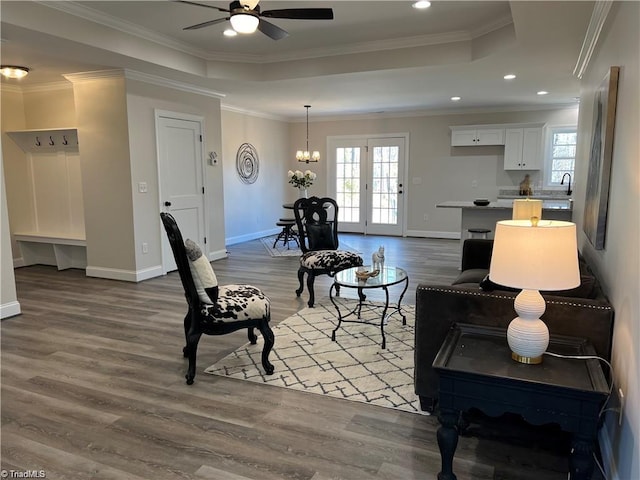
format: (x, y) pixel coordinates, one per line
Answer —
(202, 272)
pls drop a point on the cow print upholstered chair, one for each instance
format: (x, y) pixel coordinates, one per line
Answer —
(213, 309)
(317, 222)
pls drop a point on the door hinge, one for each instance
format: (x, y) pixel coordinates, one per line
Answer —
(205, 239)
(200, 138)
(203, 190)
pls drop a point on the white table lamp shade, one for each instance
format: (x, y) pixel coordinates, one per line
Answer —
(524, 209)
(533, 258)
(544, 257)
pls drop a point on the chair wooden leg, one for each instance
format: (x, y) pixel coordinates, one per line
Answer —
(253, 338)
(301, 281)
(269, 339)
(187, 325)
(191, 350)
(311, 278)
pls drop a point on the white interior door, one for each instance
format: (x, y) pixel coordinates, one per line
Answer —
(367, 179)
(180, 169)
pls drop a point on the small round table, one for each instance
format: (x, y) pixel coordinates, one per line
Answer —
(388, 276)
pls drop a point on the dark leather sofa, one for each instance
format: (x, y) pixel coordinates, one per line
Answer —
(581, 312)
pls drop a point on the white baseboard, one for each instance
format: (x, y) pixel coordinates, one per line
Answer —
(124, 275)
(433, 234)
(10, 309)
(217, 255)
(251, 236)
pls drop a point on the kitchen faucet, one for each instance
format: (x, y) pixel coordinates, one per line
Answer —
(568, 186)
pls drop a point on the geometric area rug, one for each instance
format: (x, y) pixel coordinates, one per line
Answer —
(354, 367)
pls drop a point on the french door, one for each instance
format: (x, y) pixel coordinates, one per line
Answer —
(366, 179)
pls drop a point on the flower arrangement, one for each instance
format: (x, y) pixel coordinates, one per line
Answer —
(301, 180)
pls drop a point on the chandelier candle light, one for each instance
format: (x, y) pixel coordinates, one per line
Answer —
(306, 156)
(533, 255)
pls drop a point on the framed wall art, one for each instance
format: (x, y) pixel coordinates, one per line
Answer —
(247, 163)
(600, 157)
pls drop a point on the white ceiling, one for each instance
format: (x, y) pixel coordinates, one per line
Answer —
(375, 56)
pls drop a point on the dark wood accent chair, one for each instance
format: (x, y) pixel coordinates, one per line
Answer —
(317, 222)
(236, 307)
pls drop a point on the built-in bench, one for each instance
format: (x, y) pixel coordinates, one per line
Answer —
(61, 250)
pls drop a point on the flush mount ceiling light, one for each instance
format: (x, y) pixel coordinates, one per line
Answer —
(12, 71)
(422, 4)
(509, 76)
(543, 92)
(455, 99)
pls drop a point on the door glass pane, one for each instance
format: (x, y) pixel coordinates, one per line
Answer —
(385, 185)
(348, 183)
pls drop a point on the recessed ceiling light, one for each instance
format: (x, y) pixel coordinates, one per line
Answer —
(230, 32)
(421, 4)
(509, 76)
(542, 92)
(455, 99)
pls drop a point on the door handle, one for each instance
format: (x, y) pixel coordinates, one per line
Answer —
(167, 204)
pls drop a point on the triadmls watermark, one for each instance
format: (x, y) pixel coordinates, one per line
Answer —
(23, 474)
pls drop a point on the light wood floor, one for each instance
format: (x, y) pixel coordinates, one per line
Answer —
(93, 388)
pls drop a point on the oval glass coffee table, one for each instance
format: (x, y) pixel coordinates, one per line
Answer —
(387, 277)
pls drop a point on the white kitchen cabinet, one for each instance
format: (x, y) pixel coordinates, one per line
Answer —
(523, 148)
(468, 137)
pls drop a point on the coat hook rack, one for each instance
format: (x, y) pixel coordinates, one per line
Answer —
(64, 140)
(51, 142)
(37, 142)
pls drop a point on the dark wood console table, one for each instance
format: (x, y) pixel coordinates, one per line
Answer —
(476, 371)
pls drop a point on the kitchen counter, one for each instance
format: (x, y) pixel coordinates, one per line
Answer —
(474, 216)
(508, 204)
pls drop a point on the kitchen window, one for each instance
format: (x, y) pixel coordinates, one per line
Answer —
(561, 154)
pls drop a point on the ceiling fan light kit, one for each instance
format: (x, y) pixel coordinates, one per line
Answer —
(245, 17)
(244, 22)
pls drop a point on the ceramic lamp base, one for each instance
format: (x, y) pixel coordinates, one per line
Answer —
(527, 335)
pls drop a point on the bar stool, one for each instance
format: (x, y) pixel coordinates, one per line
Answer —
(287, 234)
(478, 233)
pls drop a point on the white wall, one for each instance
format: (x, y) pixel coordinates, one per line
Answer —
(618, 265)
(446, 172)
(9, 305)
(252, 210)
(142, 101)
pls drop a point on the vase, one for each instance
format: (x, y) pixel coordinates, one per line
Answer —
(302, 193)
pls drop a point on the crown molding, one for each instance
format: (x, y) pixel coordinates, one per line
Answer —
(93, 75)
(96, 16)
(598, 17)
(142, 77)
(7, 87)
(47, 87)
(101, 18)
(252, 113)
(176, 85)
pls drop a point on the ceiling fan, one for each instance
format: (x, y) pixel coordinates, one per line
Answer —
(245, 17)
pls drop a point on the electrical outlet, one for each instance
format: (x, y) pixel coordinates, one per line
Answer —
(426, 217)
(145, 247)
(474, 184)
(142, 187)
(621, 398)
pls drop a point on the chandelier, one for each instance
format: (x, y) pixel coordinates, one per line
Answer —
(305, 155)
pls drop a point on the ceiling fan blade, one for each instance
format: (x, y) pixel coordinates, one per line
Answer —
(300, 13)
(206, 24)
(202, 5)
(270, 30)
